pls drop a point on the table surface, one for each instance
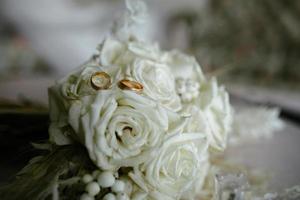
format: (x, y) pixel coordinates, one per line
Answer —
(277, 156)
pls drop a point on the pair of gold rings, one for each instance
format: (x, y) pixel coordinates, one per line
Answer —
(102, 81)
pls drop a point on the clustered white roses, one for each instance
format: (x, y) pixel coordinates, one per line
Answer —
(159, 138)
(162, 138)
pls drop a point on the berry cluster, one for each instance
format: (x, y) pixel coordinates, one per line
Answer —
(105, 179)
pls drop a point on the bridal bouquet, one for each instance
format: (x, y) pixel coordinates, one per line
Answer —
(133, 122)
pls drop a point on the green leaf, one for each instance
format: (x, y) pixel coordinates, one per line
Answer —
(38, 179)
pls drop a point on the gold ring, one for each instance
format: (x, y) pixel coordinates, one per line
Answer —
(100, 81)
(126, 84)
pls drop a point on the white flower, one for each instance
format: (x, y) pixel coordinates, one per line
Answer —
(210, 113)
(158, 82)
(211, 110)
(78, 83)
(214, 101)
(115, 52)
(128, 25)
(142, 62)
(196, 120)
(183, 66)
(177, 171)
(164, 154)
(67, 91)
(121, 128)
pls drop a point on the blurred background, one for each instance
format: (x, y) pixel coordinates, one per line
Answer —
(253, 47)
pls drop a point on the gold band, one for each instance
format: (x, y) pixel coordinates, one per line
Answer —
(100, 81)
(126, 84)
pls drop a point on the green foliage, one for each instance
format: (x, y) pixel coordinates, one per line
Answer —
(51, 174)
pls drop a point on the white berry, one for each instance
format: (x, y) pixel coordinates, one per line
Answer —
(92, 188)
(106, 179)
(109, 196)
(85, 196)
(122, 196)
(87, 178)
(119, 186)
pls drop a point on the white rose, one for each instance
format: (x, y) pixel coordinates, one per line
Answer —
(177, 171)
(115, 52)
(196, 120)
(121, 128)
(142, 62)
(214, 101)
(65, 92)
(211, 113)
(78, 83)
(183, 66)
(158, 82)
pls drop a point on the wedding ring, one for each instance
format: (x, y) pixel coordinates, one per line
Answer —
(100, 81)
(126, 84)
